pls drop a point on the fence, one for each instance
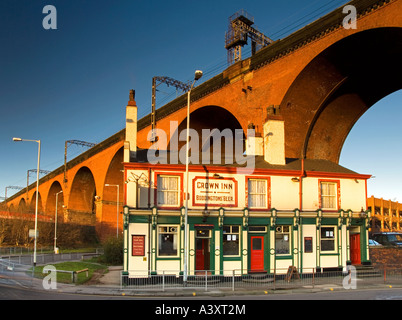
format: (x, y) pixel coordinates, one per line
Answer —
(277, 279)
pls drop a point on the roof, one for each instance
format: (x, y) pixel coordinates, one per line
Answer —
(310, 165)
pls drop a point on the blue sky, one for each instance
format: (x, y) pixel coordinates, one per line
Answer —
(73, 82)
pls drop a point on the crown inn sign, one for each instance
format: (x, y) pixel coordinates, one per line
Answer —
(307, 213)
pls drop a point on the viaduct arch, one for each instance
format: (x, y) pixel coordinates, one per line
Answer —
(338, 86)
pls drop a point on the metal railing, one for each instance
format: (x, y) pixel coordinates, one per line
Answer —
(276, 279)
(46, 258)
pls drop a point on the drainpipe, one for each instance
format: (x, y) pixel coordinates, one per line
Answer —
(302, 174)
(149, 187)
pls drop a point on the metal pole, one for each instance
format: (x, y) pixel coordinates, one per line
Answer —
(65, 162)
(198, 75)
(36, 205)
(117, 212)
(55, 221)
(187, 182)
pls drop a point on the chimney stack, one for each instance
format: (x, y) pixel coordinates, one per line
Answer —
(130, 143)
(255, 143)
(274, 137)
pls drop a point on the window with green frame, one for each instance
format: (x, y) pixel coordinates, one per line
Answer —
(168, 240)
(282, 240)
(231, 240)
(328, 239)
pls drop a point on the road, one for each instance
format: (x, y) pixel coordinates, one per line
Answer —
(198, 307)
(10, 291)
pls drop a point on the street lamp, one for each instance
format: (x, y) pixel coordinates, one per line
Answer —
(55, 223)
(117, 207)
(197, 75)
(37, 195)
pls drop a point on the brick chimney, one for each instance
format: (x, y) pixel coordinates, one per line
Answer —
(255, 143)
(130, 143)
(274, 137)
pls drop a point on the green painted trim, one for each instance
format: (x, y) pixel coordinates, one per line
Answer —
(226, 258)
(168, 220)
(233, 221)
(138, 219)
(329, 221)
(252, 221)
(167, 258)
(307, 221)
(284, 257)
(284, 221)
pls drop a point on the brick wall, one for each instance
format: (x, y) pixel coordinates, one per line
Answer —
(386, 256)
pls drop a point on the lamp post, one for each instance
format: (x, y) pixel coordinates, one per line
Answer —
(37, 195)
(117, 206)
(55, 223)
(197, 75)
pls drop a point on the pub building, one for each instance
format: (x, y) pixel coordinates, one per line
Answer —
(310, 214)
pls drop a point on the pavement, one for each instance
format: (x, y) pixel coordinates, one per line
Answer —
(109, 284)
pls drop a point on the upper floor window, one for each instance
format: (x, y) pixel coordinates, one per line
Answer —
(257, 193)
(329, 195)
(168, 190)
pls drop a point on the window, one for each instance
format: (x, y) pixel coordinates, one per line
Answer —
(257, 229)
(231, 242)
(167, 241)
(257, 193)
(328, 195)
(282, 240)
(327, 238)
(168, 191)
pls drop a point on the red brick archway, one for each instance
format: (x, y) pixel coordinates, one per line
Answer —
(81, 203)
(338, 86)
(51, 200)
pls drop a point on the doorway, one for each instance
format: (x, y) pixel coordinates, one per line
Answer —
(202, 259)
(202, 249)
(355, 254)
(257, 254)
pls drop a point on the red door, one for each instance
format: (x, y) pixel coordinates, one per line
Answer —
(257, 253)
(355, 248)
(202, 254)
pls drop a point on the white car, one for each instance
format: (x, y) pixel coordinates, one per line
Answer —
(374, 243)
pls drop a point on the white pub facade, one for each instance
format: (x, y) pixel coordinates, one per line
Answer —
(310, 214)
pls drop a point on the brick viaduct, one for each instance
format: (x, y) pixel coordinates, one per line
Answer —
(321, 79)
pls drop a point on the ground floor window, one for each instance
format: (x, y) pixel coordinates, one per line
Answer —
(328, 239)
(231, 235)
(167, 241)
(282, 240)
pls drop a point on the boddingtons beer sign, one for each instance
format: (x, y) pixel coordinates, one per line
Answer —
(216, 192)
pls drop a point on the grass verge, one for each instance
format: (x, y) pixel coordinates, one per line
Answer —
(72, 266)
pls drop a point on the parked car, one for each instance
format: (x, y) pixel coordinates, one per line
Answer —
(373, 243)
(388, 238)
